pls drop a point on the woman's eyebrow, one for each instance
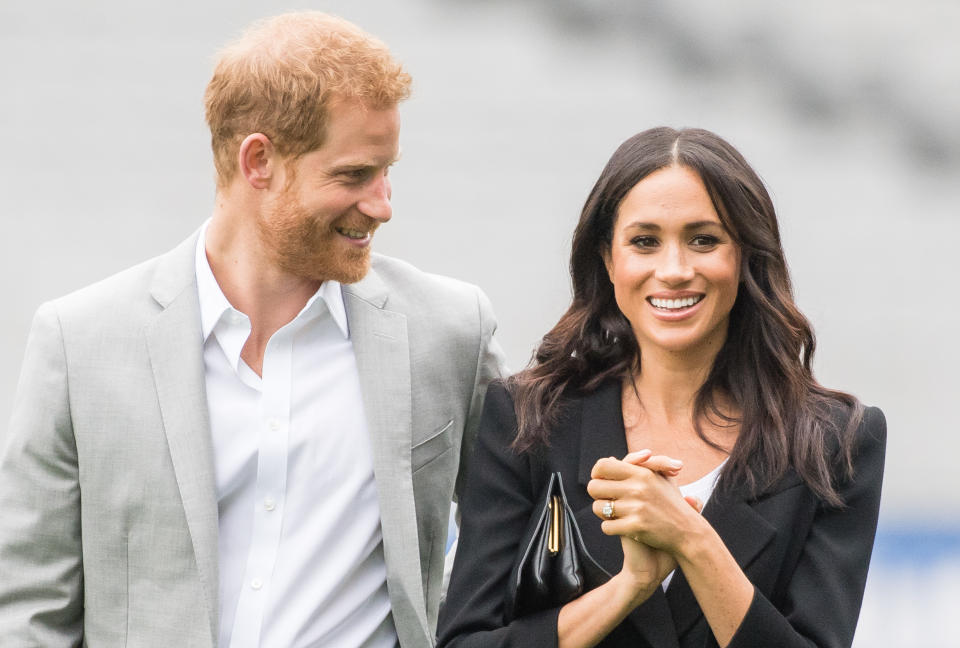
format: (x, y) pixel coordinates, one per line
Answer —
(654, 227)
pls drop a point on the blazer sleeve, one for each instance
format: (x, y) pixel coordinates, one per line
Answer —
(496, 507)
(823, 600)
(41, 594)
(491, 365)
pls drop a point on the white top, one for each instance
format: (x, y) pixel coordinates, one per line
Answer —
(300, 551)
(702, 489)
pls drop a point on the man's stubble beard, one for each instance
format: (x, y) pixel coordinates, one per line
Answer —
(304, 246)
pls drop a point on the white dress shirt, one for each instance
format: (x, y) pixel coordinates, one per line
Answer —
(300, 552)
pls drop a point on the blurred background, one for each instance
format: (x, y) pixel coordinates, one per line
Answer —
(848, 110)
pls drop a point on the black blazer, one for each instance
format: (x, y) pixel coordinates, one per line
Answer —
(807, 561)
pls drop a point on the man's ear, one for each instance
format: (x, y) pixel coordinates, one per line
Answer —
(257, 160)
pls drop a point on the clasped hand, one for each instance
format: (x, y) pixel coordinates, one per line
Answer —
(649, 513)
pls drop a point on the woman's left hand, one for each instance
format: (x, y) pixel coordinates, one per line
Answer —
(647, 504)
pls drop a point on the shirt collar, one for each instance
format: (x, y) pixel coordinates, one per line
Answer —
(214, 304)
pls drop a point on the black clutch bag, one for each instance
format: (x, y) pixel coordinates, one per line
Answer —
(554, 567)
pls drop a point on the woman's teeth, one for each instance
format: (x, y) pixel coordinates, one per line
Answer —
(674, 304)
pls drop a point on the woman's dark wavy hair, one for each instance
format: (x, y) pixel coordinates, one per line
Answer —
(787, 419)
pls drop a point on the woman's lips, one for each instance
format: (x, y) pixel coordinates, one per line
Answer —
(672, 309)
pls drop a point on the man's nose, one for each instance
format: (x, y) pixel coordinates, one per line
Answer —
(376, 199)
(674, 267)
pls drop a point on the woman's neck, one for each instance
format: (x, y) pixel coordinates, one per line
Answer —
(658, 413)
(667, 384)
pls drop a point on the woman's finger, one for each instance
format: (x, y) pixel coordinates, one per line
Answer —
(612, 468)
(627, 529)
(638, 457)
(695, 502)
(658, 463)
(618, 488)
(611, 509)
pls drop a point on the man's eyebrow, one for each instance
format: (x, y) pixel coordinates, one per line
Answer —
(362, 166)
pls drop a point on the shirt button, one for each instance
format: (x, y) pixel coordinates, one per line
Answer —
(269, 504)
(274, 424)
(256, 583)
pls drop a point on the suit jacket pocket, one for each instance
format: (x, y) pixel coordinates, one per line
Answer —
(433, 446)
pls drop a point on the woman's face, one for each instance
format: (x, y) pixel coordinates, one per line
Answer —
(674, 267)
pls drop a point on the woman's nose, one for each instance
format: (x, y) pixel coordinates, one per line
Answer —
(674, 267)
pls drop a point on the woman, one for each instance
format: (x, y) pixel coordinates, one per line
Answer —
(684, 354)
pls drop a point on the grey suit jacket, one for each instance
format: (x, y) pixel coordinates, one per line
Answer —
(108, 509)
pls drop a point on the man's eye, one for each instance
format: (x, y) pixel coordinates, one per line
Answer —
(357, 175)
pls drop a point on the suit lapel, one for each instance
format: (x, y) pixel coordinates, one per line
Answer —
(175, 344)
(602, 435)
(380, 344)
(745, 534)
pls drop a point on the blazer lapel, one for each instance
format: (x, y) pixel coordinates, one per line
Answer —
(601, 428)
(745, 533)
(380, 344)
(175, 345)
(602, 435)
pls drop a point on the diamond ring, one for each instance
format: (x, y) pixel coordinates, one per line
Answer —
(608, 511)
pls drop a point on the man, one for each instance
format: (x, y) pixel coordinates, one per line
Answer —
(252, 440)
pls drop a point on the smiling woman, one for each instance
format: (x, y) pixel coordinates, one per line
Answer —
(678, 382)
(673, 265)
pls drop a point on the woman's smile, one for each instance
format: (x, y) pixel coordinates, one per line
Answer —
(674, 308)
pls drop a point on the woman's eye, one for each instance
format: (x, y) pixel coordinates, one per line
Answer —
(704, 241)
(644, 242)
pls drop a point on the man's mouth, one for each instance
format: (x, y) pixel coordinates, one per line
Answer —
(355, 234)
(674, 304)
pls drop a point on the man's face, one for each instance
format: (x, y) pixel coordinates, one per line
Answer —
(319, 226)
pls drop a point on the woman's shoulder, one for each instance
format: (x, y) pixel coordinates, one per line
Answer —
(860, 440)
(870, 437)
(866, 424)
(498, 403)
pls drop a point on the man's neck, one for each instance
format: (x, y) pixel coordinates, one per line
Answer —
(251, 282)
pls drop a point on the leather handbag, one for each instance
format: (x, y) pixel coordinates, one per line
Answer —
(554, 566)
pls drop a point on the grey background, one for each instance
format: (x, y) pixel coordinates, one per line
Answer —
(848, 111)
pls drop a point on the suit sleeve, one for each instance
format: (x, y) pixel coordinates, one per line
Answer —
(41, 597)
(491, 365)
(823, 601)
(496, 508)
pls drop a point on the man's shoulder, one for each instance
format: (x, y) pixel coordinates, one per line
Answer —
(407, 284)
(401, 273)
(126, 294)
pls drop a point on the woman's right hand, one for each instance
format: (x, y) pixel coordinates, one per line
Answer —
(644, 566)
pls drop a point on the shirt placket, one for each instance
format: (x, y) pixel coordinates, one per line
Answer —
(274, 428)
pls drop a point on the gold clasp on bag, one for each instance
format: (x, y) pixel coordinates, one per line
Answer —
(553, 537)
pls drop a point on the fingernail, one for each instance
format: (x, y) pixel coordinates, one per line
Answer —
(676, 463)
